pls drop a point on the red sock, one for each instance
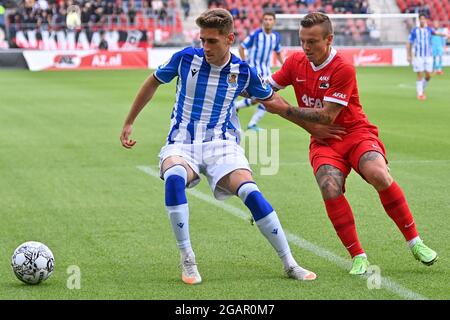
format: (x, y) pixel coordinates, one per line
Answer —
(396, 206)
(341, 216)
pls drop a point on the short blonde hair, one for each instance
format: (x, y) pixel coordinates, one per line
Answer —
(318, 18)
(217, 18)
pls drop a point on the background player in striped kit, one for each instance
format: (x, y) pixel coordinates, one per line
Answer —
(420, 40)
(259, 45)
(204, 136)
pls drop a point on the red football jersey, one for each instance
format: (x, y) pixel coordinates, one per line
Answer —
(333, 81)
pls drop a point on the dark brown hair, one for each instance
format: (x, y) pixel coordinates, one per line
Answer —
(269, 13)
(217, 18)
(318, 18)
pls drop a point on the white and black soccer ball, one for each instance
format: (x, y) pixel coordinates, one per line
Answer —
(33, 262)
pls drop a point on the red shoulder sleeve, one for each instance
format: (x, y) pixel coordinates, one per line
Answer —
(282, 78)
(342, 84)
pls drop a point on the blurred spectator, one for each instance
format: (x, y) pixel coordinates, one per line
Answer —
(303, 9)
(186, 6)
(244, 11)
(131, 11)
(2, 15)
(196, 42)
(419, 7)
(234, 10)
(35, 17)
(42, 4)
(364, 8)
(374, 33)
(103, 45)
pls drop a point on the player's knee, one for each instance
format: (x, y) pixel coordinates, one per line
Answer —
(175, 178)
(379, 178)
(330, 188)
(254, 200)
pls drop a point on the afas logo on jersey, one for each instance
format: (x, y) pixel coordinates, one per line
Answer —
(311, 102)
(339, 95)
(324, 84)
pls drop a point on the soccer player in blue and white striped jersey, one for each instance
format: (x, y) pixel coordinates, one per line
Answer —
(260, 46)
(204, 135)
(420, 41)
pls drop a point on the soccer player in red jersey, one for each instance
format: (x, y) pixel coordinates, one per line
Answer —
(327, 93)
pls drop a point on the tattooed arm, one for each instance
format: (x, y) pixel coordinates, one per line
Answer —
(325, 115)
(320, 131)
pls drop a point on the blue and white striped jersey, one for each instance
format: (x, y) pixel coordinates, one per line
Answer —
(421, 39)
(260, 46)
(204, 105)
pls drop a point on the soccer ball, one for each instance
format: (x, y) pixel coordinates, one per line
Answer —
(32, 262)
(73, 18)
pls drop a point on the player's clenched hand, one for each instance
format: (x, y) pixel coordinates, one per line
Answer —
(322, 131)
(126, 132)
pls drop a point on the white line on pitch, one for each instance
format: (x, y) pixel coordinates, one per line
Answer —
(406, 86)
(386, 282)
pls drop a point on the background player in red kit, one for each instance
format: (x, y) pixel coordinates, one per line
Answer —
(326, 91)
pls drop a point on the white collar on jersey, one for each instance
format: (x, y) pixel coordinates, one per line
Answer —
(326, 62)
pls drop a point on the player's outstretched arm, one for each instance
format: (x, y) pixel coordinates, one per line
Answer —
(144, 95)
(320, 131)
(280, 106)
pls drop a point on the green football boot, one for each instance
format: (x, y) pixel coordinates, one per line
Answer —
(423, 253)
(360, 265)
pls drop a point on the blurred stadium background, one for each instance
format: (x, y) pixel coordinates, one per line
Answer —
(140, 27)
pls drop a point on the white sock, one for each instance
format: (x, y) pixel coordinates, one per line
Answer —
(419, 87)
(257, 116)
(271, 228)
(361, 255)
(179, 218)
(288, 261)
(179, 213)
(244, 103)
(413, 241)
(269, 225)
(425, 83)
(187, 252)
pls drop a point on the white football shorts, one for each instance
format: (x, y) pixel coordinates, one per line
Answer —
(214, 159)
(421, 64)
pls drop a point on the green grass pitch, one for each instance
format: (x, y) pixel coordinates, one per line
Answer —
(66, 181)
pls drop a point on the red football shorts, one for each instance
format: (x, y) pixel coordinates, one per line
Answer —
(345, 154)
